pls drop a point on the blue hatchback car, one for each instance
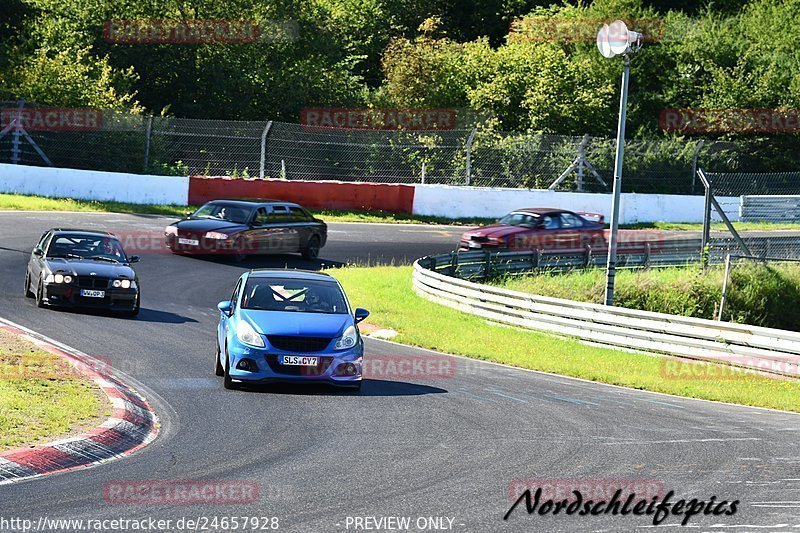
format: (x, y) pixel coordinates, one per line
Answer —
(289, 326)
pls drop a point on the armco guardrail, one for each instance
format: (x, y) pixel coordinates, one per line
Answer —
(770, 208)
(768, 350)
(485, 264)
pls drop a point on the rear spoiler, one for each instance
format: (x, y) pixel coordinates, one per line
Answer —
(595, 217)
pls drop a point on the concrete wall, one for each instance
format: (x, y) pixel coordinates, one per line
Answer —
(438, 200)
(392, 197)
(94, 185)
(463, 202)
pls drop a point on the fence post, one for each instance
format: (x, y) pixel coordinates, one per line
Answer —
(264, 149)
(706, 223)
(587, 259)
(694, 163)
(647, 255)
(15, 142)
(487, 267)
(469, 154)
(148, 132)
(422, 178)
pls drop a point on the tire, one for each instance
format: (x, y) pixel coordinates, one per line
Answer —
(28, 292)
(219, 370)
(311, 251)
(227, 381)
(239, 256)
(135, 311)
(40, 295)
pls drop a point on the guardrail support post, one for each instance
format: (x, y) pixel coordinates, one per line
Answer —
(487, 265)
(725, 286)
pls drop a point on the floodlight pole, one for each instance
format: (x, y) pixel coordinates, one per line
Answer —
(611, 266)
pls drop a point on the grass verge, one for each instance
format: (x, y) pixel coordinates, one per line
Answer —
(38, 203)
(387, 293)
(757, 294)
(42, 397)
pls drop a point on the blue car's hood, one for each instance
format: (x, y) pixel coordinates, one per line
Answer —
(297, 323)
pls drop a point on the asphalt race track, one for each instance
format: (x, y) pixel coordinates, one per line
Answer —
(437, 447)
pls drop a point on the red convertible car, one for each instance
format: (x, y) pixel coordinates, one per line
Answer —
(538, 229)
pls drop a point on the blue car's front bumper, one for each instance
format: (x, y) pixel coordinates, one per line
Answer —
(262, 365)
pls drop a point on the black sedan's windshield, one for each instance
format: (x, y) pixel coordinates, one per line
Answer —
(309, 296)
(96, 247)
(224, 211)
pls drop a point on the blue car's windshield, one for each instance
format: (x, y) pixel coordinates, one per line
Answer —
(305, 296)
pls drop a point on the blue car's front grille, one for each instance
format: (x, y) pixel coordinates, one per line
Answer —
(306, 345)
(296, 370)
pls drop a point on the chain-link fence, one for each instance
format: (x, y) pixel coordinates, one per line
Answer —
(762, 215)
(114, 141)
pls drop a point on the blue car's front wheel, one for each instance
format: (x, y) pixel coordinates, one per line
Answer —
(227, 381)
(218, 370)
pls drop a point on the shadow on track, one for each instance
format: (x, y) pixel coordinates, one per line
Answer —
(369, 387)
(269, 261)
(145, 315)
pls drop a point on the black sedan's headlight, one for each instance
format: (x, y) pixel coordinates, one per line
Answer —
(58, 278)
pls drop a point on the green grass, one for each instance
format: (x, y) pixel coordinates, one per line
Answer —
(41, 398)
(37, 203)
(757, 294)
(716, 226)
(387, 293)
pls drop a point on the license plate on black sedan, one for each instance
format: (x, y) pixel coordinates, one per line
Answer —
(93, 294)
(189, 242)
(298, 360)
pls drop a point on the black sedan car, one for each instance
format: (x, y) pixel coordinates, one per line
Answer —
(248, 227)
(78, 268)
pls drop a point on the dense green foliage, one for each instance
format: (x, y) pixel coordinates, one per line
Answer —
(757, 294)
(431, 53)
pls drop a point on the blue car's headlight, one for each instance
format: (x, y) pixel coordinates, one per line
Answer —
(348, 340)
(247, 335)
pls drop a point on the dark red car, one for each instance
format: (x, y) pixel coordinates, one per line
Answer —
(538, 228)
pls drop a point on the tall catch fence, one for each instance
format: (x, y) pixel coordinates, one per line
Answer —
(475, 156)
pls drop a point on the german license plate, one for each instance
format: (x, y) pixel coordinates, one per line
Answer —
(190, 242)
(92, 294)
(298, 360)
(474, 244)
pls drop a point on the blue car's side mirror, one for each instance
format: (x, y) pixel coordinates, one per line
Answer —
(361, 314)
(134, 259)
(225, 307)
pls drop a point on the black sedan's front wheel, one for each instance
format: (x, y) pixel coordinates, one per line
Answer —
(28, 291)
(40, 295)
